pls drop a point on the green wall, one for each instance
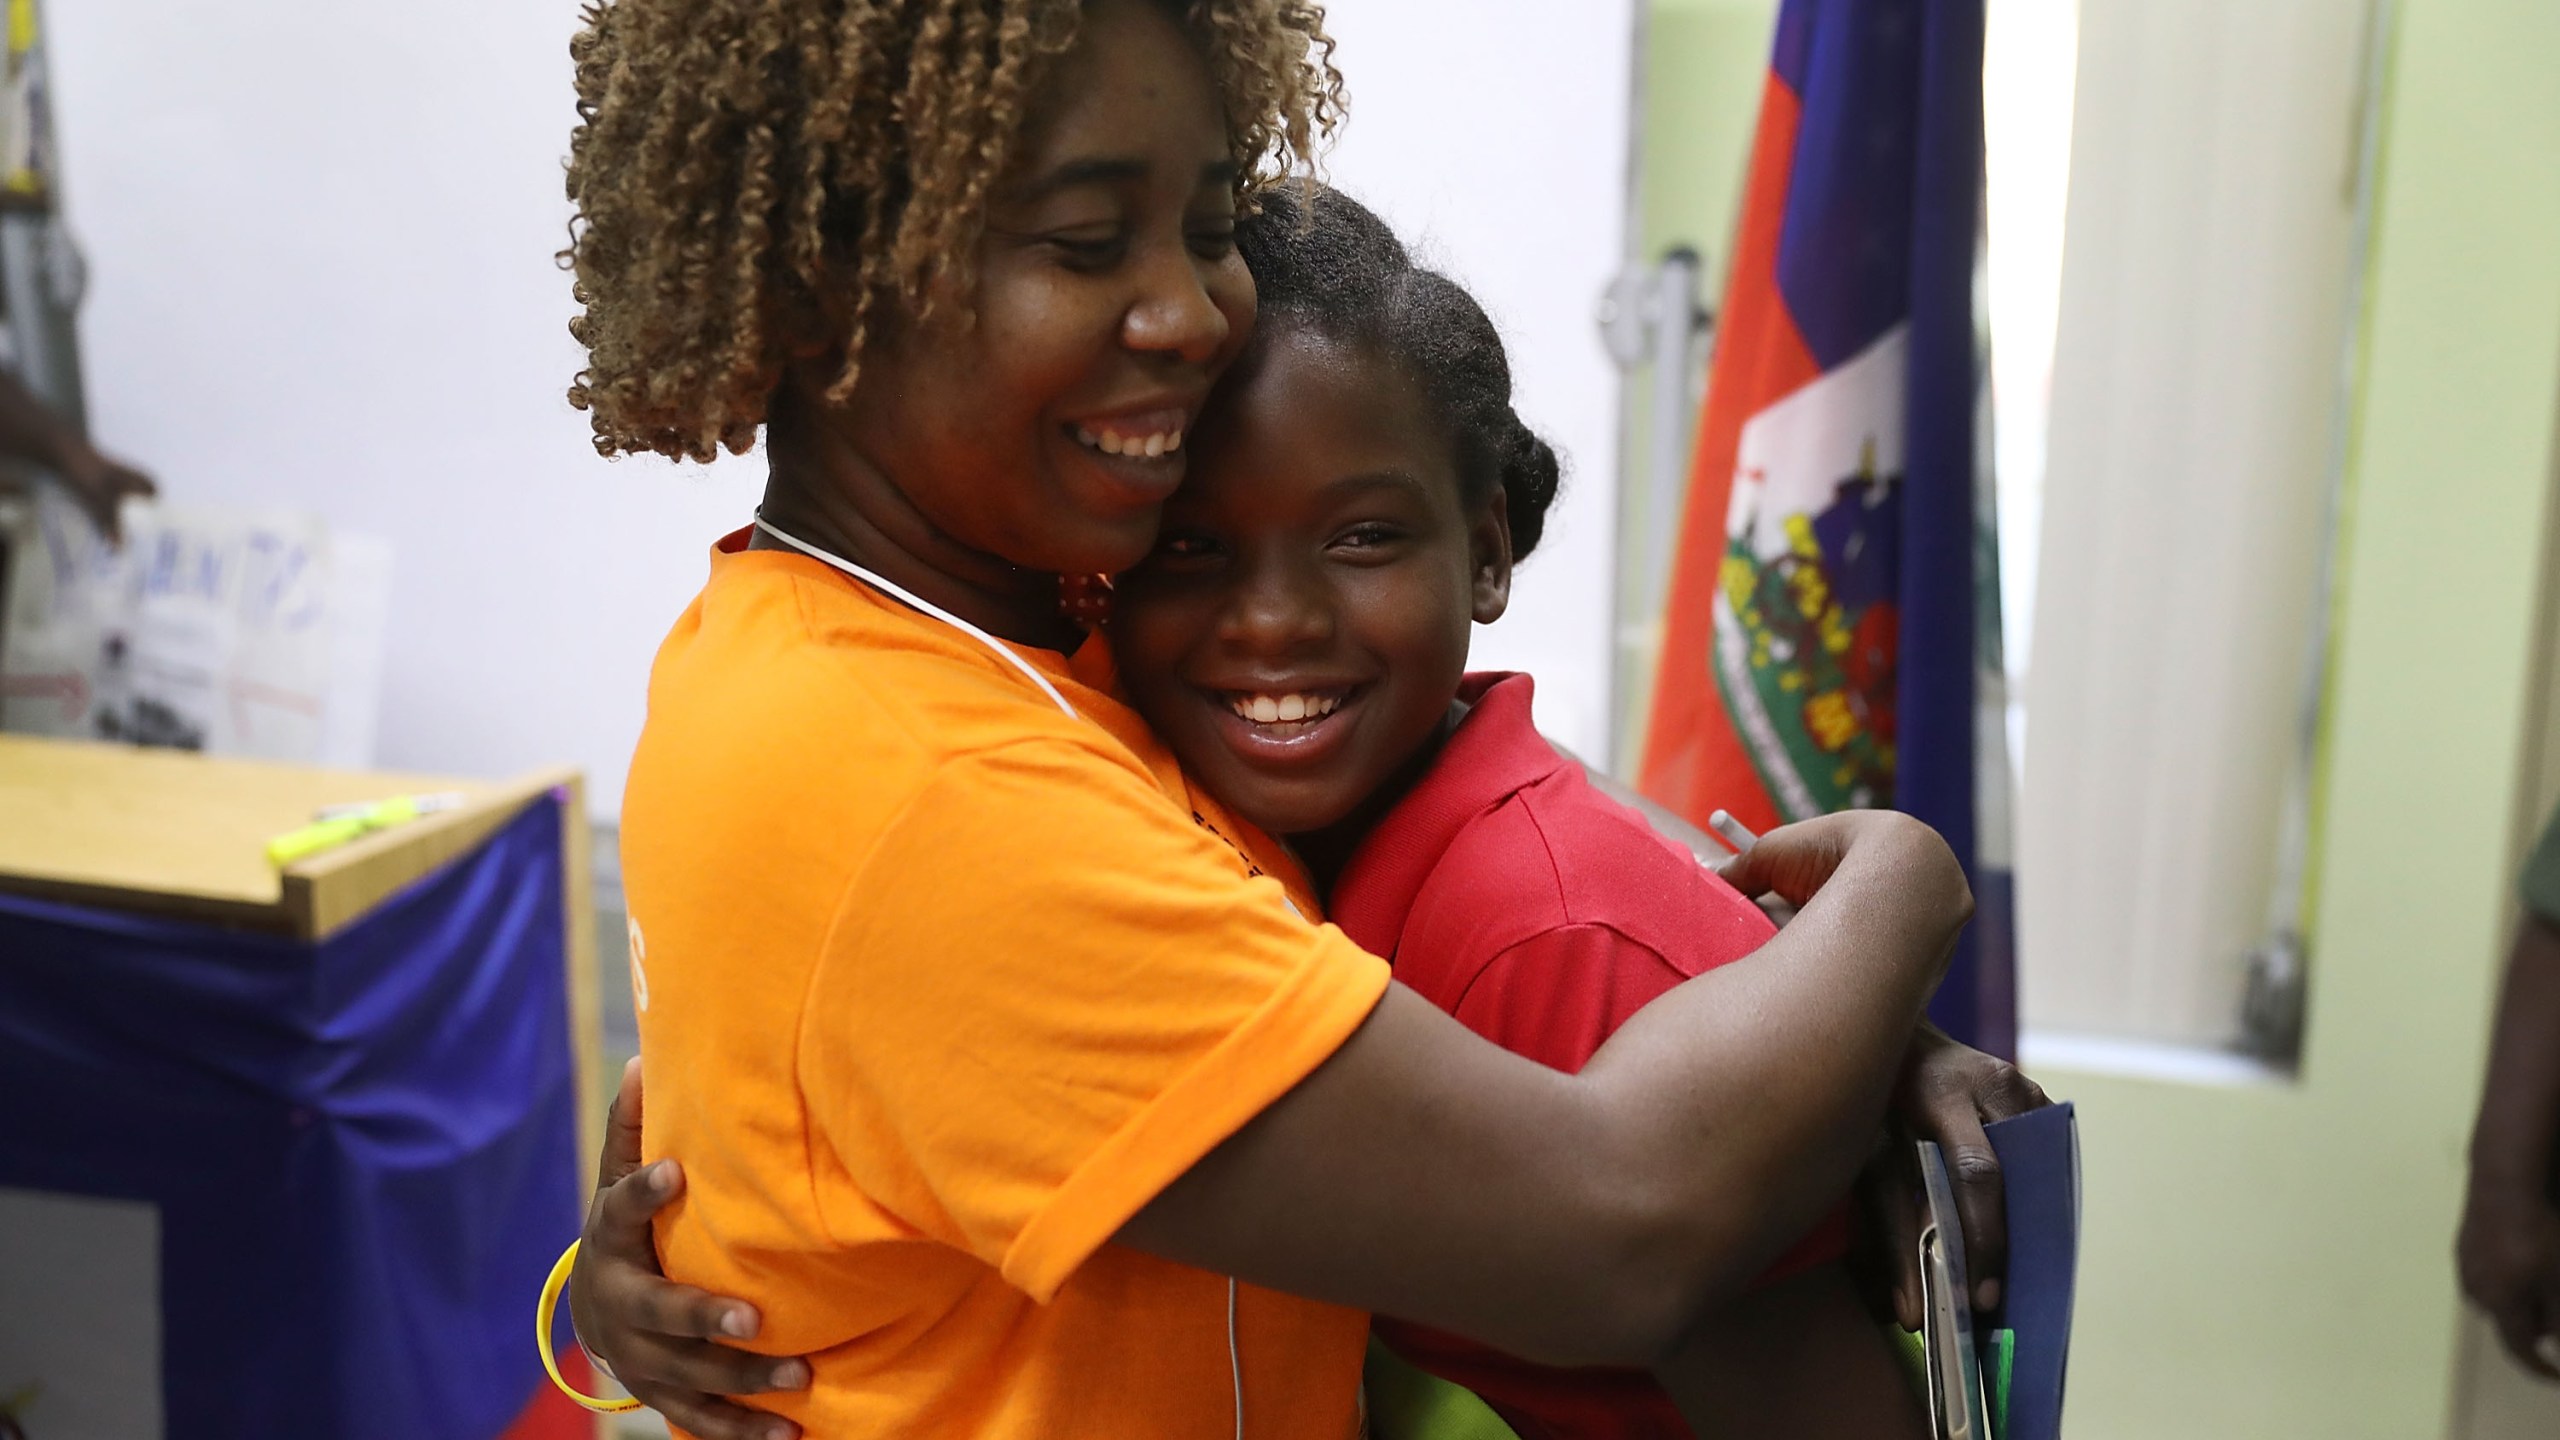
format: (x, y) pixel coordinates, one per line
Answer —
(2273, 1262)
(2277, 1262)
(1705, 64)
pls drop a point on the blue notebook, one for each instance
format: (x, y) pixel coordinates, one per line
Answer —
(2040, 1168)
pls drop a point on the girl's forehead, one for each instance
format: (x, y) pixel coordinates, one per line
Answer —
(1300, 346)
(1296, 362)
(1307, 409)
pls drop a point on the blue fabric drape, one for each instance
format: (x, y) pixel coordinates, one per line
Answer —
(363, 1151)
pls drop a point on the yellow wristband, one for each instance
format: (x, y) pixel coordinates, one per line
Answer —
(551, 1289)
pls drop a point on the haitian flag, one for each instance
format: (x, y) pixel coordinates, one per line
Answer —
(1832, 633)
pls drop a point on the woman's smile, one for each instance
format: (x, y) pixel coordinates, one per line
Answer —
(1136, 452)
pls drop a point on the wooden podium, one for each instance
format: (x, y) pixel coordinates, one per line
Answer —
(163, 832)
(174, 844)
(168, 833)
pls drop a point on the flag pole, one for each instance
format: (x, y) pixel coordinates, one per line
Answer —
(1649, 316)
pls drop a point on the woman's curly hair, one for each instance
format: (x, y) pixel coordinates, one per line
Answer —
(756, 177)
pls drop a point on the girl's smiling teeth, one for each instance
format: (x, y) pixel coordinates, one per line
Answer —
(1149, 444)
(1269, 709)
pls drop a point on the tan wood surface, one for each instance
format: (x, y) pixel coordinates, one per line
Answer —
(335, 888)
(167, 832)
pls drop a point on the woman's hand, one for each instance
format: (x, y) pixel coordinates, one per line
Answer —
(1795, 861)
(1943, 1091)
(1946, 1092)
(2510, 1261)
(660, 1339)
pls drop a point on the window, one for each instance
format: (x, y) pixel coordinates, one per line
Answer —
(2172, 538)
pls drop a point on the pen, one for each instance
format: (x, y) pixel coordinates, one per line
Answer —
(425, 805)
(1731, 831)
(337, 824)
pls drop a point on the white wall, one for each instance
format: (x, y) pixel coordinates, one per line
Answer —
(321, 235)
(1494, 133)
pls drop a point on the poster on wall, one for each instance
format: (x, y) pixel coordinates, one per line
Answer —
(26, 111)
(256, 635)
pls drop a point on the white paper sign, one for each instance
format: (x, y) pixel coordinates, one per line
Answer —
(257, 635)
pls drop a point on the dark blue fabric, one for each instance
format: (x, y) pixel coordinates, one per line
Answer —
(364, 1152)
(1791, 51)
(1845, 250)
(1883, 216)
(1940, 662)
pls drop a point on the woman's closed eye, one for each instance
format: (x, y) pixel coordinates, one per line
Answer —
(1213, 241)
(1090, 247)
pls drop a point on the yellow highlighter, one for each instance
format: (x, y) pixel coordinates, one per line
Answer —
(338, 824)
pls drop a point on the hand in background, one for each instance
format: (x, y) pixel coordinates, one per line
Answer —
(2509, 1254)
(32, 432)
(100, 485)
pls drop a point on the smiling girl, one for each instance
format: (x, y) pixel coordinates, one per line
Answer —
(993, 1047)
(1363, 489)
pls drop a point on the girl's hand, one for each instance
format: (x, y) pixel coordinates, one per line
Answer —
(664, 1341)
(1946, 1092)
(2510, 1261)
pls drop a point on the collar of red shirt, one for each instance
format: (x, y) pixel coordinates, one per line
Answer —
(1494, 754)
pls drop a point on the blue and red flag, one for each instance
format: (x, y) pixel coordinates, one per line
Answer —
(1832, 634)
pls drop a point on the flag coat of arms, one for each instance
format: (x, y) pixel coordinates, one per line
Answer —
(1831, 630)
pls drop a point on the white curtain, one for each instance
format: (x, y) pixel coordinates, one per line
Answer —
(2196, 383)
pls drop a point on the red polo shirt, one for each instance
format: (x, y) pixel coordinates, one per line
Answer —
(1541, 913)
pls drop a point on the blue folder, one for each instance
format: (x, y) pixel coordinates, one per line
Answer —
(2040, 1168)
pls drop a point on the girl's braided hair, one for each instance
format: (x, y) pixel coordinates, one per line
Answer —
(1321, 259)
(755, 178)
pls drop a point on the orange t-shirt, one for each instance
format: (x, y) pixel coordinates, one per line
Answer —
(938, 986)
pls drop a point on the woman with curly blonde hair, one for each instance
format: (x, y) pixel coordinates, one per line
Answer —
(991, 1046)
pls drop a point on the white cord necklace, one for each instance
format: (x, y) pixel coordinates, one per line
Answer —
(1235, 1356)
(1003, 651)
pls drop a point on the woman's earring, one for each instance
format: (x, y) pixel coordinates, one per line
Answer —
(1085, 599)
